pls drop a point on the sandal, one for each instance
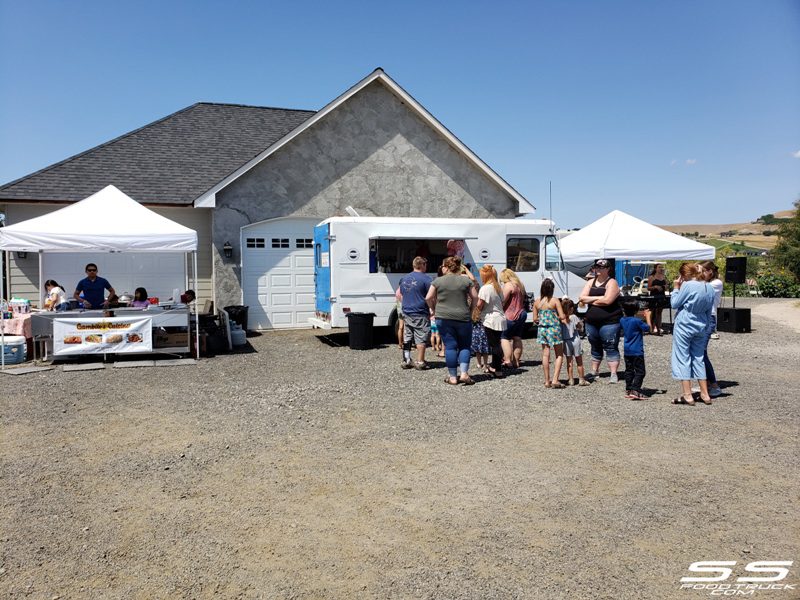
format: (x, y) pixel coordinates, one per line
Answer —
(706, 400)
(548, 385)
(682, 400)
(494, 373)
(557, 385)
(448, 382)
(583, 382)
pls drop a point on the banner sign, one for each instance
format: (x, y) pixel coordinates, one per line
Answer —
(102, 335)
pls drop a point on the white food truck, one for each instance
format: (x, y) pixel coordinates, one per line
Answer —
(359, 261)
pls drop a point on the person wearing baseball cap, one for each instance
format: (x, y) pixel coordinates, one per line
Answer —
(601, 295)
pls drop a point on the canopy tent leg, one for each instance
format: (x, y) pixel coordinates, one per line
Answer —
(196, 315)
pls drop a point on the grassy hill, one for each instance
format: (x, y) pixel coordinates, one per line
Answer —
(747, 237)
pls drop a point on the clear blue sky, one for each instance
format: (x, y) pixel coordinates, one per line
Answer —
(675, 111)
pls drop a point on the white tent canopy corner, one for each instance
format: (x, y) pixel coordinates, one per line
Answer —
(624, 237)
(106, 221)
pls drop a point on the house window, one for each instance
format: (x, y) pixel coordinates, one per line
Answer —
(304, 243)
(280, 242)
(522, 254)
(255, 243)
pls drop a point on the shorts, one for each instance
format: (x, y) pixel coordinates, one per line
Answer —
(434, 327)
(515, 328)
(417, 329)
(572, 346)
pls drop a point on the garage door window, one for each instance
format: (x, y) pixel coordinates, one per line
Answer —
(255, 243)
(280, 242)
(304, 243)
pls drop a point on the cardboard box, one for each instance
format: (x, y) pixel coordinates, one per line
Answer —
(170, 340)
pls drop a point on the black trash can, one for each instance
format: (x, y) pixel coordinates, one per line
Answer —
(361, 330)
(238, 314)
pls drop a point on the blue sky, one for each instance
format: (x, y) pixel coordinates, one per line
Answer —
(673, 111)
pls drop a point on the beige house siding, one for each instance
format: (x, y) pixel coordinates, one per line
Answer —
(23, 274)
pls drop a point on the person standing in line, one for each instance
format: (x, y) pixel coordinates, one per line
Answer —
(711, 275)
(571, 332)
(492, 317)
(417, 323)
(93, 288)
(514, 296)
(635, 370)
(693, 300)
(601, 294)
(548, 314)
(449, 298)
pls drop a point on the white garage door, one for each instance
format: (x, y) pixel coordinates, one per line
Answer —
(159, 273)
(278, 273)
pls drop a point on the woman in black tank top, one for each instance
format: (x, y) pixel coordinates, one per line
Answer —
(601, 294)
(656, 287)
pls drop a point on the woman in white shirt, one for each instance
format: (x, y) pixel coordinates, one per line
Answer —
(56, 296)
(493, 317)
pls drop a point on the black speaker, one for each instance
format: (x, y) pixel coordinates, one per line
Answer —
(733, 320)
(735, 268)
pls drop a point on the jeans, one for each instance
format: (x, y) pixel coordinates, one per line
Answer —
(711, 376)
(634, 372)
(604, 338)
(457, 340)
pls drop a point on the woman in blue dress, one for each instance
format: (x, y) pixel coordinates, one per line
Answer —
(693, 299)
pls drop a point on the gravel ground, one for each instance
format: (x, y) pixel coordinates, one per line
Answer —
(307, 470)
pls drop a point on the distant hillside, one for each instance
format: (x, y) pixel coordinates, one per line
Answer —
(755, 234)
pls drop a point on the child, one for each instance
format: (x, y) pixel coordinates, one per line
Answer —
(633, 329)
(480, 344)
(571, 332)
(436, 339)
(548, 315)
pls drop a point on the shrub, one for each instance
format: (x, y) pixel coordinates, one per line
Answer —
(778, 285)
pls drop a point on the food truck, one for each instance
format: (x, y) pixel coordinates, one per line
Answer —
(359, 261)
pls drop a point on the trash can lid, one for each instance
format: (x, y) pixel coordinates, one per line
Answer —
(360, 314)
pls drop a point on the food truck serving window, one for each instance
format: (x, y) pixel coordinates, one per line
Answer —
(522, 254)
(392, 255)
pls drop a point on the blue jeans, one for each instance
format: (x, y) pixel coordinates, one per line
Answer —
(710, 375)
(604, 339)
(457, 339)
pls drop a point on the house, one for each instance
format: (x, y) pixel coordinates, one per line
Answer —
(256, 180)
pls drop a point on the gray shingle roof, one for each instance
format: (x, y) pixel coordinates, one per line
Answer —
(171, 161)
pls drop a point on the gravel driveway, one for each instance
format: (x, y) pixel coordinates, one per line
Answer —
(307, 470)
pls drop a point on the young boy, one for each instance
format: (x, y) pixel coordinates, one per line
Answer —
(634, 351)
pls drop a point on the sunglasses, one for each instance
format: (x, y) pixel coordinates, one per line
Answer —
(91, 270)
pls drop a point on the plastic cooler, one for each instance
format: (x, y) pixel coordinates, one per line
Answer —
(15, 349)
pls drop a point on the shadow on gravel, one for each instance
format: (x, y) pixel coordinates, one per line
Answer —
(339, 340)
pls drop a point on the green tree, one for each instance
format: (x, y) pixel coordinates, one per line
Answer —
(787, 251)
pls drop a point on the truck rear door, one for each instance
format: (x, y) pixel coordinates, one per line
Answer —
(322, 268)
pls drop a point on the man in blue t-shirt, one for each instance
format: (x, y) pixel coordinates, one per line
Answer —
(416, 313)
(93, 288)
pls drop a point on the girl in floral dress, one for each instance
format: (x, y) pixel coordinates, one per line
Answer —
(548, 314)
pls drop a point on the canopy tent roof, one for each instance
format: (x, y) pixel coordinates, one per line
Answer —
(621, 236)
(107, 221)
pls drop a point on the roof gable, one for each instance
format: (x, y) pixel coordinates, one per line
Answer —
(170, 161)
(208, 198)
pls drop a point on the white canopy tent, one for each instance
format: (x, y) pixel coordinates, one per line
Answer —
(619, 235)
(107, 221)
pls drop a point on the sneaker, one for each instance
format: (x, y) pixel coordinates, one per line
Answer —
(714, 336)
(714, 392)
(613, 378)
(407, 365)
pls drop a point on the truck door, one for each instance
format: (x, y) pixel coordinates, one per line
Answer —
(322, 268)
(554, 266)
